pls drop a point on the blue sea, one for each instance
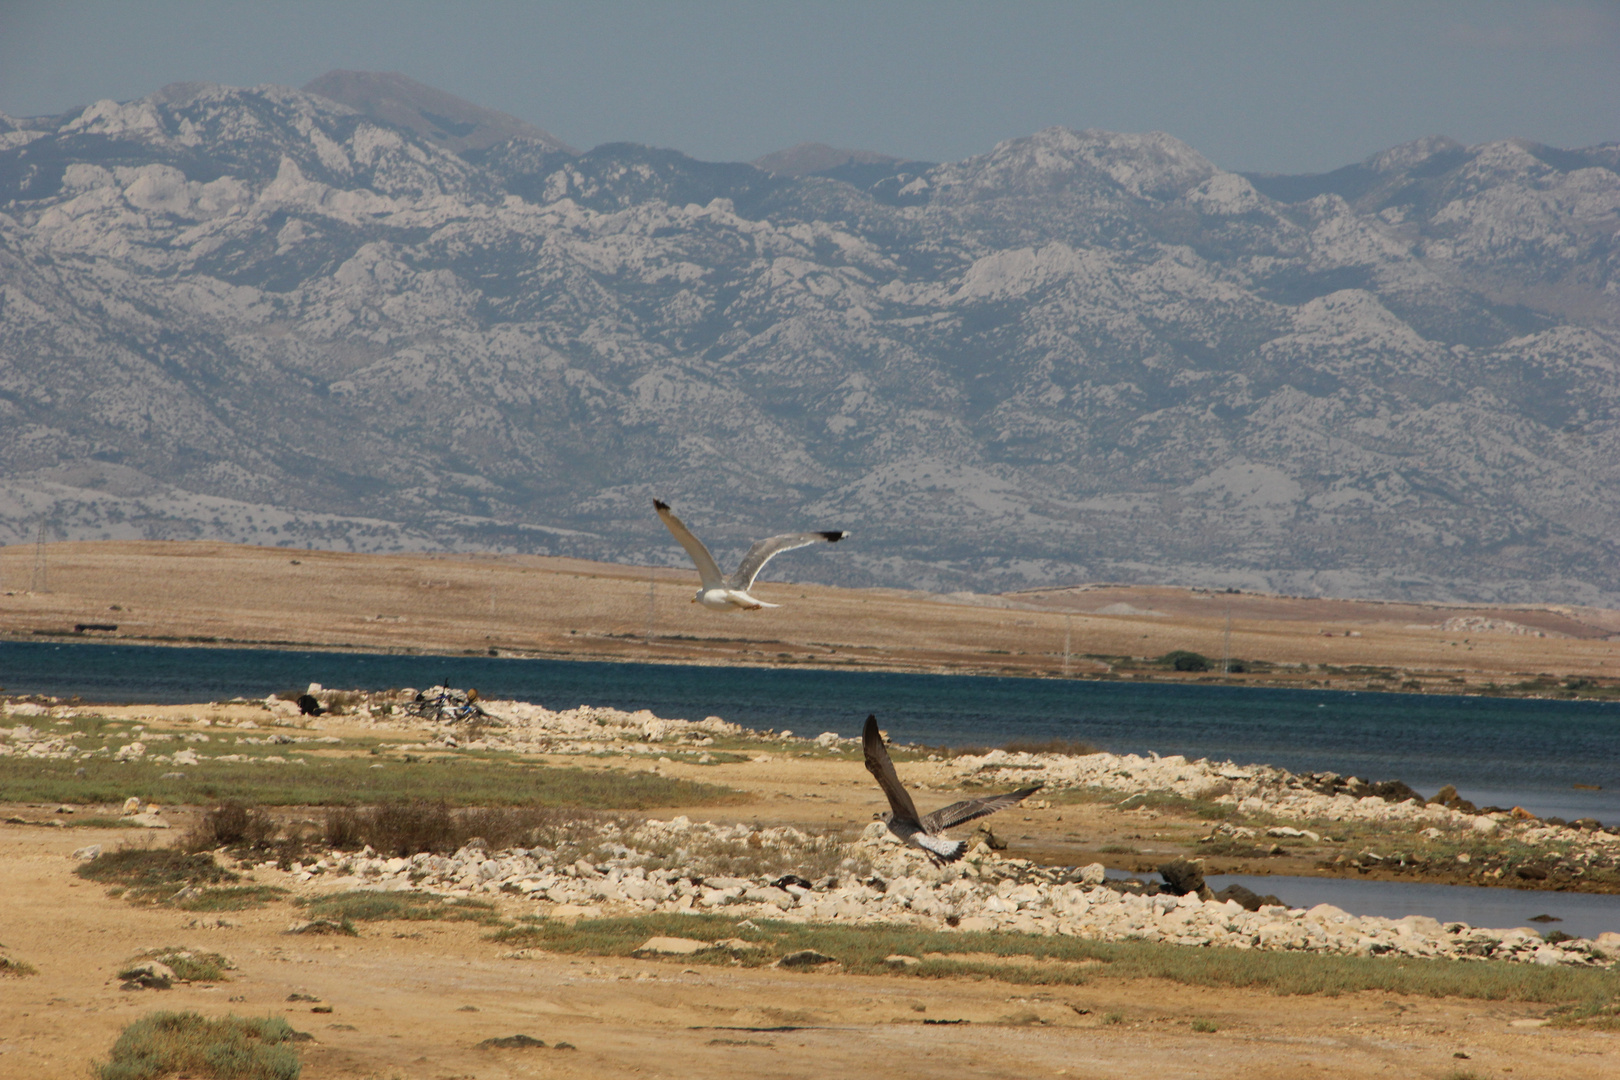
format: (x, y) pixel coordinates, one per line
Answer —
(1496, 751)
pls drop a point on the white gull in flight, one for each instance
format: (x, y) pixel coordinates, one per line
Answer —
(730, 593)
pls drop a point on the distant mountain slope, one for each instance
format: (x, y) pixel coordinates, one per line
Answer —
(260, 314)
(808, 158)
(440, 118)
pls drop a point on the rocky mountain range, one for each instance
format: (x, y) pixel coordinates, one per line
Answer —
(368, 315)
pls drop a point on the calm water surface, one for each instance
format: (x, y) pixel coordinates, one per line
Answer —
(1580, 914)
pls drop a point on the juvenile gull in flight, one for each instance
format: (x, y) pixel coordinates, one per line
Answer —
(926, 831)
(730, 593)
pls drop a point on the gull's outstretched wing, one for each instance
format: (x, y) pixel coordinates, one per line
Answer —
(763, 550)
(969, 809)
(706, 568)
(879, 765)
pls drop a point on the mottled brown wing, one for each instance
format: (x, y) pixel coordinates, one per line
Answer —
(879, 765)
(969, 809)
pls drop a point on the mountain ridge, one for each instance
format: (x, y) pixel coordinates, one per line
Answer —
(258, 314)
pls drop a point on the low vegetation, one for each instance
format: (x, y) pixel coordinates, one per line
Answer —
(190, 881)
(168, 1044)
(459, 779)
(231, 824)
(405, 827)
(405, 906)
(10, 968)
(1029, 959)
(190, 965)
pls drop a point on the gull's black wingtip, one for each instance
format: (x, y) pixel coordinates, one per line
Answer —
(871, 728)
(660, 504)
(833, 536)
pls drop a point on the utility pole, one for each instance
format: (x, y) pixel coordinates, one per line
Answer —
(40, 585)
(652, 601)
(1068, 634)
(1226, 645)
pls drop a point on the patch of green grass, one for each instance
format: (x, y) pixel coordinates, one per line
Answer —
(1073, 961)
(1601, 1013)
(152, 874)
(16, 968)
(189, 964)
(188, 1044)
(351, 781)
(190, 881)
(412, 906)
(230, 898)
(1205, 1027)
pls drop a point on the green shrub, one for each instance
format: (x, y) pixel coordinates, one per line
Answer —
(188, 964)
(188, 1044)
(1183, 660)
(229, 824)
(405, 827)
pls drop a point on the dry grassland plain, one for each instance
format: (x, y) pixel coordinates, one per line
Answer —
(527, 606)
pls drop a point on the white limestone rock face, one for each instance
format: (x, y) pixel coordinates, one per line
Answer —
(1192, 367)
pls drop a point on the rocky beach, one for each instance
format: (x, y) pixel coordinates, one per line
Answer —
(656, 865)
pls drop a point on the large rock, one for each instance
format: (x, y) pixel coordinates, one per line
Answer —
(1247, 898)
(148, 975)
(1183, 877)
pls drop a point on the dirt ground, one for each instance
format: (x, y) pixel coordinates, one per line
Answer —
(203, 592)
(412, 1000)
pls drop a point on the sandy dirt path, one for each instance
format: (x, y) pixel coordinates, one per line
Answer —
(412, 1000)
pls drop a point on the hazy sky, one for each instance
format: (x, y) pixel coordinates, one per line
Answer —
(1283, 86)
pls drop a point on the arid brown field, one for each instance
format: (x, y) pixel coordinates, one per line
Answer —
(532, 606)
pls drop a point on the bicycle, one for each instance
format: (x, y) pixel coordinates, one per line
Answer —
(439, 703)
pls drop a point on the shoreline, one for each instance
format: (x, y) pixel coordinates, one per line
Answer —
(1255, 820)
(1604, 694)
